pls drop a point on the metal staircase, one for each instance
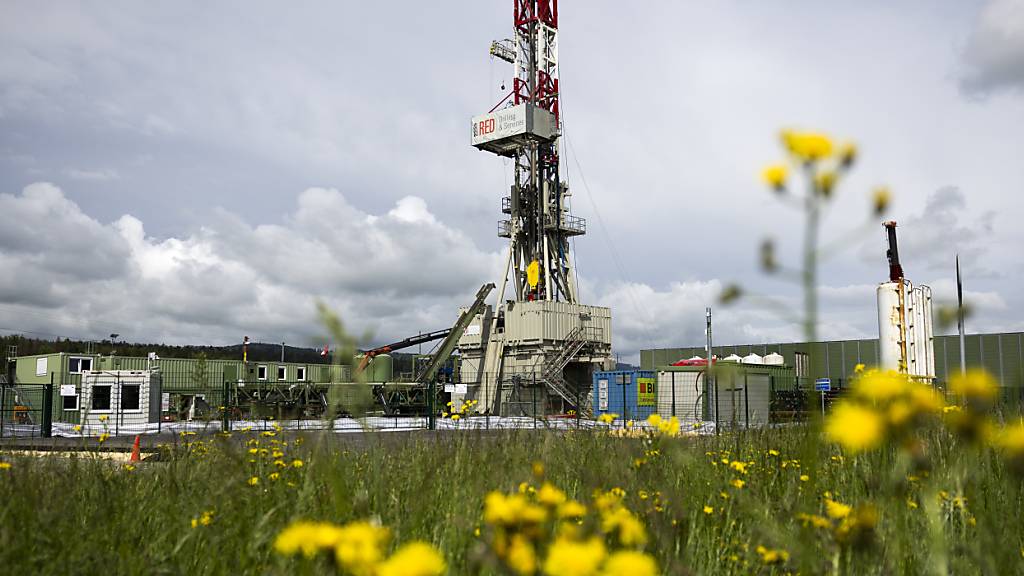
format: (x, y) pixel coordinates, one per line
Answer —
(551, 372)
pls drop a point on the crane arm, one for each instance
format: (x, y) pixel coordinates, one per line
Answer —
(410, 341)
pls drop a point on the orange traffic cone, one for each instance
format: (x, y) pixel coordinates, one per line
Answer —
(135, 450)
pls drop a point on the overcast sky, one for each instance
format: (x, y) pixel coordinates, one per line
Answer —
(193, 172)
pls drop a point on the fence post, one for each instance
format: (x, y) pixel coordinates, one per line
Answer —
(120, 412)
(226, 402)
(46, 419)
(3, 406)
(534, 396)
(431, 415)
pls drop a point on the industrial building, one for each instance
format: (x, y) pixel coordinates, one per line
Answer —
(1000, 354)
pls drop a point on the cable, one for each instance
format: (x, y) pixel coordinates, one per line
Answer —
(600, 221)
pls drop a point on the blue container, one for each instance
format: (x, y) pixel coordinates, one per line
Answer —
(629, 393)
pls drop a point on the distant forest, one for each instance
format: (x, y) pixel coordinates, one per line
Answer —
(258, 352)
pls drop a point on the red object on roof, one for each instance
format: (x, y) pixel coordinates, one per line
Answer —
(695, 362)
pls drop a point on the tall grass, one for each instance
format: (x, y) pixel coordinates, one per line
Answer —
(84, 516)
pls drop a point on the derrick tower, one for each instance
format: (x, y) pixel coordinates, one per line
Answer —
(538, 331)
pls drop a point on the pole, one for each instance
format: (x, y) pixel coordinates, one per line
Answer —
(708, 376)
(225, 424)
(431, 417)
(822, 403)
(960, 316)
(46, 418)
(282, 351)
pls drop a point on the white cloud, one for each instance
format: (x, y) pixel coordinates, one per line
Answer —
(994, 57)
(100, 175)
(396, 273)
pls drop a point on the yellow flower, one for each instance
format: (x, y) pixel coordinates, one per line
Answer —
(297, 463)
(253, 450)
(858, 369)
(740, 467)
(78, 428)
(880, 199)
(455, 416)
(413, 559)
(631, 531)
(570, 558)
(709, 510)
(825, 181)
(814, 520)
(772, 556)
(773, 452)
(807, 146)
(129, 467)
(280, 464)
(737, 483)
(804, 477)
(358, 546)
(538, 469)
(837, 510)
(103, 437)
(521, 557)
(511, 509)
(274, 475)
(104, 418)
(631, 563)
(254, 481)
(881, 386)
(549, 495)
(977, 384)
(854, 427)
(847, 154)
(571, 509)
(775, 176)
(306, 537)
(5, 465)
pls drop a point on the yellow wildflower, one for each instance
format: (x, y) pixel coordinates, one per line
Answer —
(607, 418)
(709, 510)
(858, 369)
(814, 520)
(280, 464)
(358, 546)
(736, 482)
(740, 467)
(775, 176)
(254, 481)
(5, 465)
(977, 384)
(455, 417)
(825, 181)
(807, 146)
(78, 428)
(631, 563)
(274, 475)
(296, 463)
(837, 510)
(804, 477)
(537, 468)
(103, 437)
(772, 556)
(413, 559)
(571, 509)
(306, 537)
(773, 452)
(253, 450)
(570, 558)
(880, 199)
(847, 154)
(854, 427)
(629, 528)
(521, 557)
(881, 386)
(549, 495)
(104, 418)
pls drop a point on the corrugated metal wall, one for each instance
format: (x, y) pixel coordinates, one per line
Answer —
(1000, 354)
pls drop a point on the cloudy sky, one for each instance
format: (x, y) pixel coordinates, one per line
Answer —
(193, 172)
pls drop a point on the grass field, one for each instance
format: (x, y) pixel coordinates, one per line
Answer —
(759, 502)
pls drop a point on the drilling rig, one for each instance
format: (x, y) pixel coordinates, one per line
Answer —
(537, 341)
(905, 337)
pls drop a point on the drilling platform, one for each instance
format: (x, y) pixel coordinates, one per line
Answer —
(535, 349)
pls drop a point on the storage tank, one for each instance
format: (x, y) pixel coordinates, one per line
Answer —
(774, 359)
(905, 336)
(753, 358)
(732, 358)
